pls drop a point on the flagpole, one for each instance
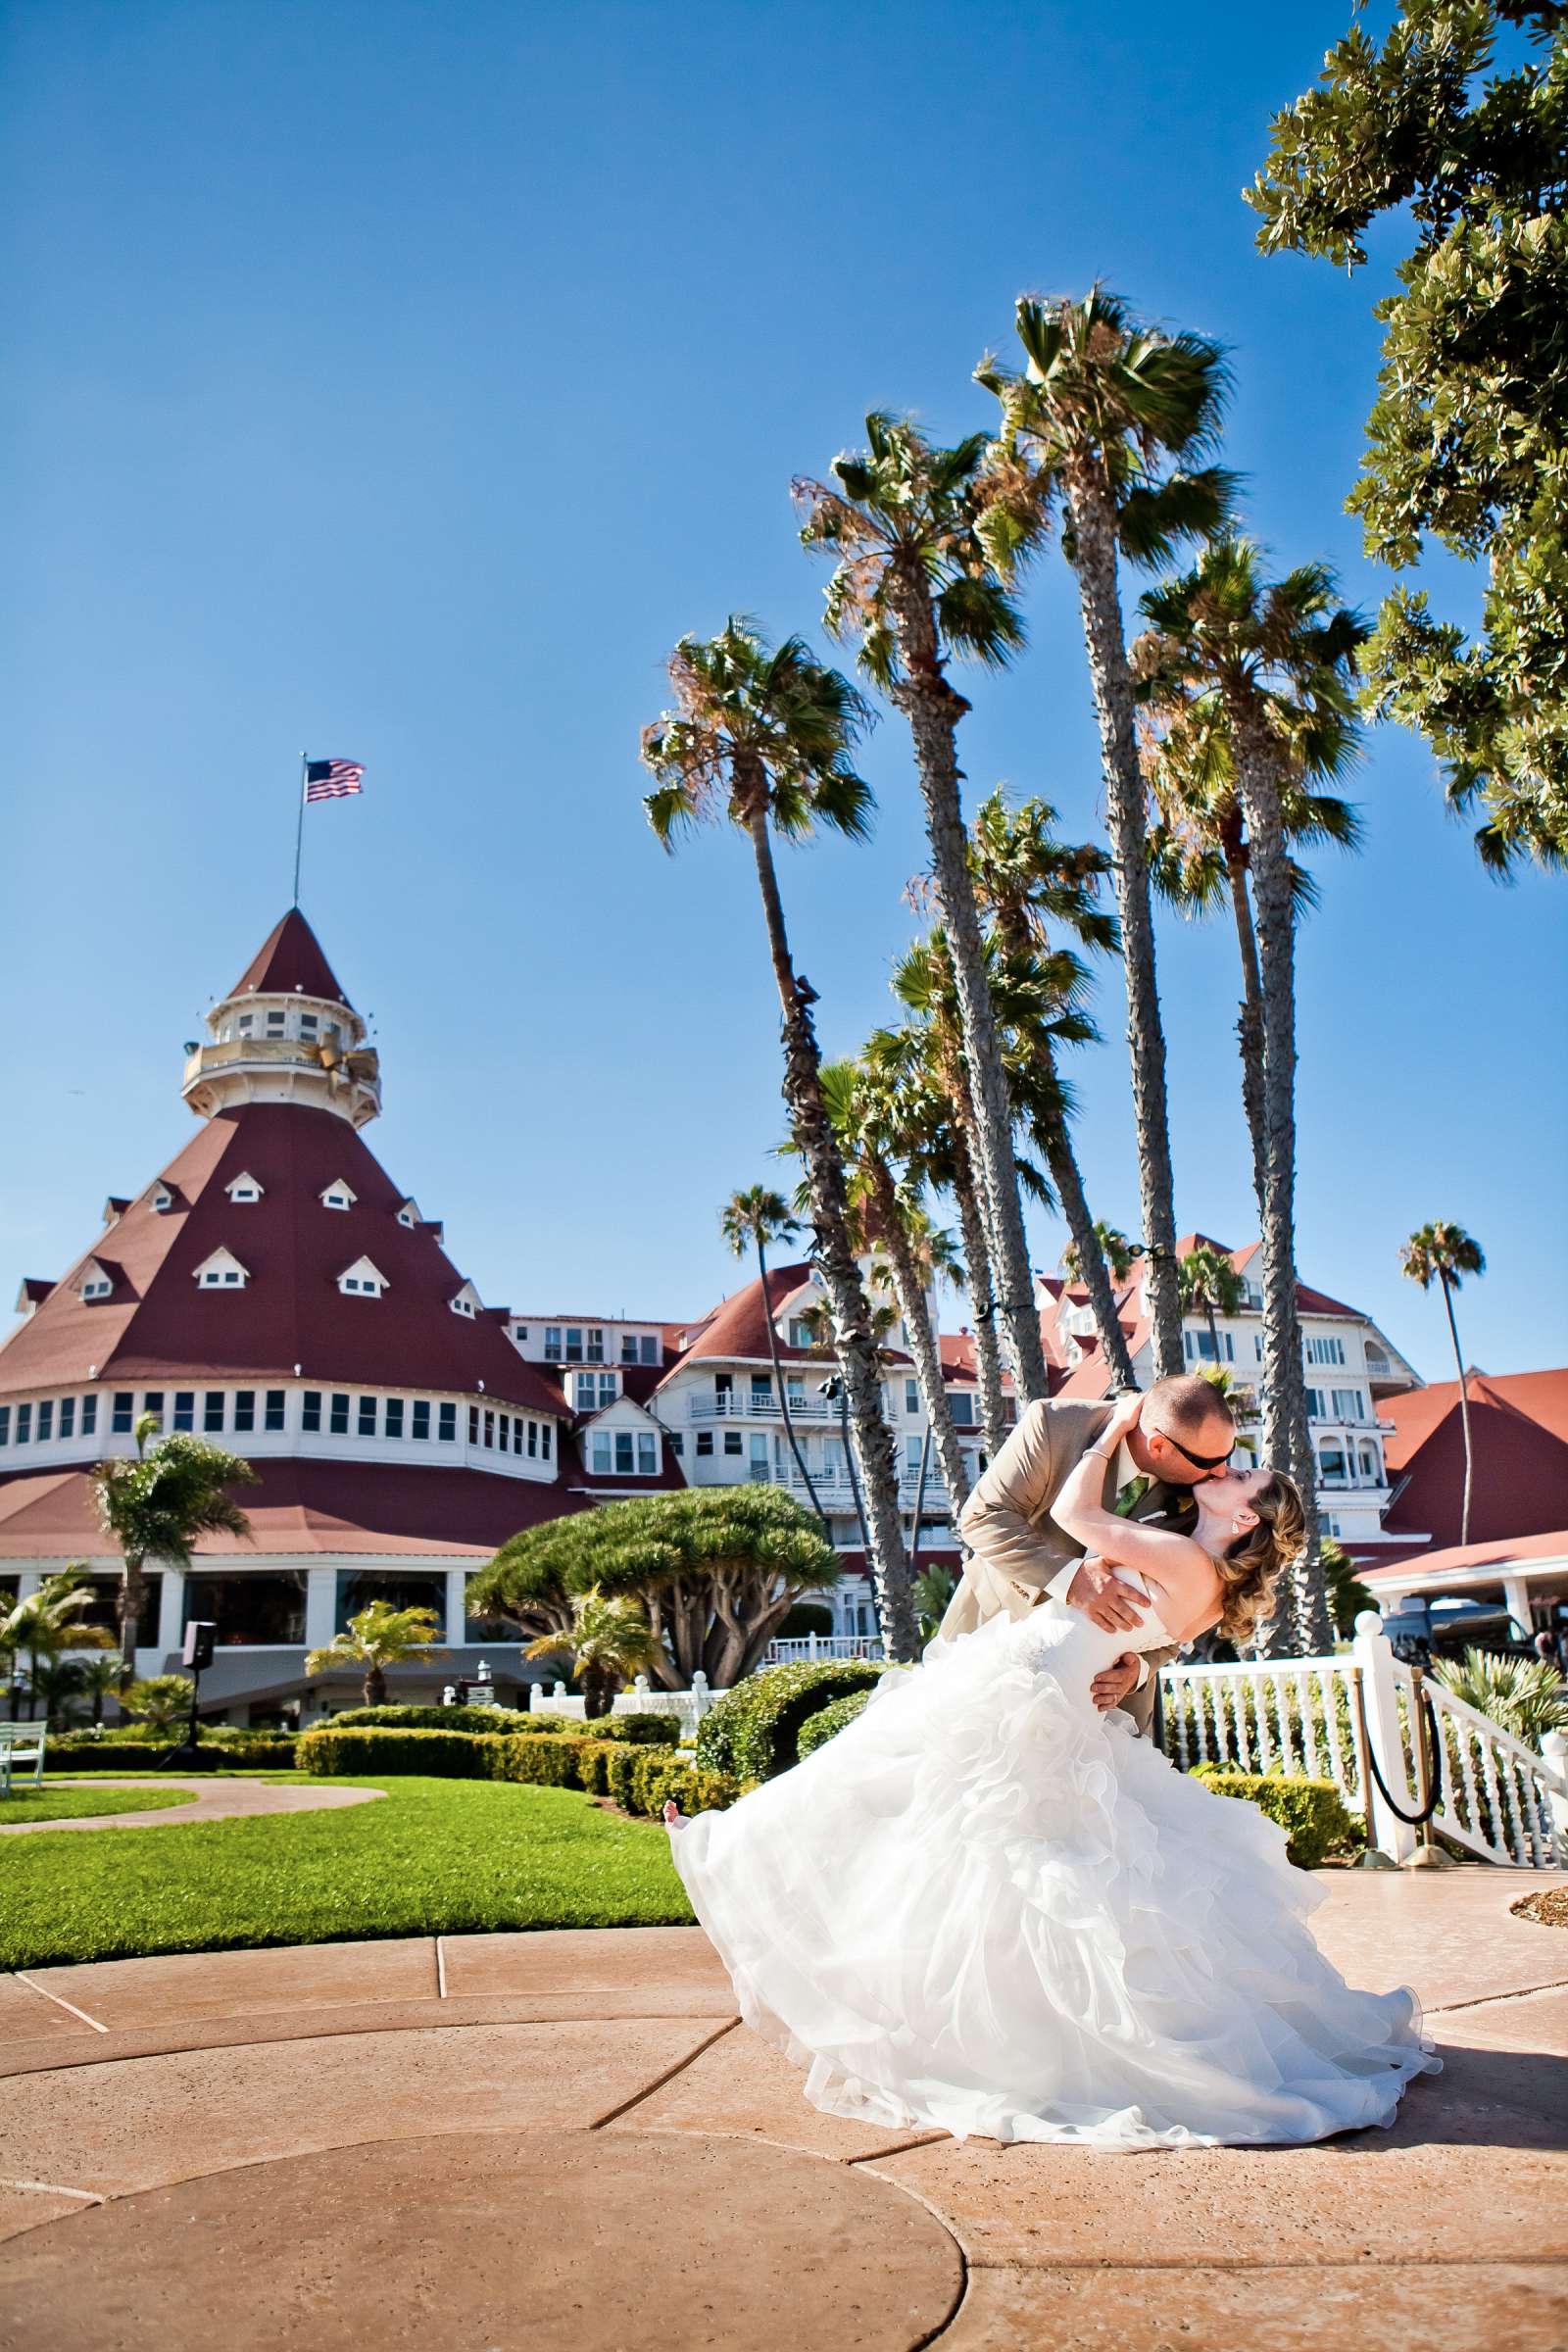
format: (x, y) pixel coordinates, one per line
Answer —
(299, 829)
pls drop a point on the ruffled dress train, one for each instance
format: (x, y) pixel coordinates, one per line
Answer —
(985, 1908)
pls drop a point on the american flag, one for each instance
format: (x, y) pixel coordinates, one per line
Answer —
(330, 779)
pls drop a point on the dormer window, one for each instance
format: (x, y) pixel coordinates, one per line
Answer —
(408, 1214)
(161, 1198)
(338, 1196)
(465, 1303)
(243, 1188)
(98, 1287)
(362, 1280)
(221, 1271)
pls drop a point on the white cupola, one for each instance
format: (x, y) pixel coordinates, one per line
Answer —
(285, 1033)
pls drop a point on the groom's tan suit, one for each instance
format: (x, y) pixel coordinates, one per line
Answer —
(1019, 1555)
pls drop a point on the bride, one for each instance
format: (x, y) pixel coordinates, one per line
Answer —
(984, 1908)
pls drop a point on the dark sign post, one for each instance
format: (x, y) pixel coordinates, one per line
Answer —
(200, 1637)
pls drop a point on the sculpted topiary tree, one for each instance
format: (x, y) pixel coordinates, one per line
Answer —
(714, 1570)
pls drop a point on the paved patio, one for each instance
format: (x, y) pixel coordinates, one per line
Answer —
(566, 2142)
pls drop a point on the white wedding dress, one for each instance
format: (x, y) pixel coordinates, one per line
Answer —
(985, 1908)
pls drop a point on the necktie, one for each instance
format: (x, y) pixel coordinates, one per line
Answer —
(1128, 1496)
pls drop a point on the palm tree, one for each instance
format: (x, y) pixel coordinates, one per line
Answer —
(1199, 854)
(158, 1504)
(862, 1101)
(935, 1088)
(1026, 879)
(916, 583)
(1100, 402)
(1444, 1253)
(751, 1219)
(1211, 1287)
(766, 739)
(1116, 1248)
(98, 1679)
(378, 1636)
(46, 1624)
(1269, 663)
(608, 1639)
(158, 1700)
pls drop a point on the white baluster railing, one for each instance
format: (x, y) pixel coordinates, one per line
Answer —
(1350, 1718)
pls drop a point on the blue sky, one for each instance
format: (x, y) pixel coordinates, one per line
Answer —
(401, 381)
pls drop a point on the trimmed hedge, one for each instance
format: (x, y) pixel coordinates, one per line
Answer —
(643, 1730)
(452, 1755)
(1311, 1813)
(639, 1779)
(255, 1751)
(753, 1732)
(440, 1719)
(817, 1729)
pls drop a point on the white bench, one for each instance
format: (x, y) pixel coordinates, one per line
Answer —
(22, 1743)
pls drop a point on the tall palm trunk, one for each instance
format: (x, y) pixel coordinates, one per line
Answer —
(1249, 1024)
(1062, 1163)
(923, 1346)
(779, 1388)
(853, 1343)
(1464, 1405)
(977, 1265)
(1287, 1431)
(933, 710)
(128, 1602)
(1094, 523)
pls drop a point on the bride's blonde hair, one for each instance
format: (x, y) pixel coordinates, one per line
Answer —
(1251, 1568)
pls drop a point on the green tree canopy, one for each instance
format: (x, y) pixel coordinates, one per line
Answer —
(716, 1570)
(1467, 441)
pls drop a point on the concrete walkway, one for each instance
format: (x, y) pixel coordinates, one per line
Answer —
(215, 1801)
(565, 2141)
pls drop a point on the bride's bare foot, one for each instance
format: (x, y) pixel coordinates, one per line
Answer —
(672, 1812)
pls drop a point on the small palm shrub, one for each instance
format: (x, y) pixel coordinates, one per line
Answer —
(157, 1701)
(1311, 1813)
(820, 1728)
(753, 1732)
(1526, 1696)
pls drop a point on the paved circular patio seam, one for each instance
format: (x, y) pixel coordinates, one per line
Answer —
(215, 1801)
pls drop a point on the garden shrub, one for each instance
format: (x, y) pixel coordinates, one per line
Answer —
(753, 1732)
(658, 1777)
(643, 1730)
(363, 1749)
(1311, 1813)
(821, 1727)
(549, 1762)
(442, 1719)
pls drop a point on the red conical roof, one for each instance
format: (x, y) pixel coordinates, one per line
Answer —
(290, 958)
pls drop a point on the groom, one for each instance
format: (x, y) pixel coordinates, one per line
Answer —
(1020, 1558)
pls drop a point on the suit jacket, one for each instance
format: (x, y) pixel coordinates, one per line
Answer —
(1017, 1551)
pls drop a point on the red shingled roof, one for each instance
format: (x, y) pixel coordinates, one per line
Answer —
(738, 1326)
(1519, 1428)
(157, 1325)
(304, 1506)
(290, 960)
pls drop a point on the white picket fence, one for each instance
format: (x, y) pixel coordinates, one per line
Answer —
(1351, 1718)
(641, 1699)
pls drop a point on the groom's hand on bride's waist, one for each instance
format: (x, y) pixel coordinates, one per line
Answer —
(1113, 1683)
(1105, 1598)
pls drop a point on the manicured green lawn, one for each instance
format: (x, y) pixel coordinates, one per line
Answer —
(431, 1857)
(52, 1802)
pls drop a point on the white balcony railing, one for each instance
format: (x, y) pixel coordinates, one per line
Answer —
(745, 1404)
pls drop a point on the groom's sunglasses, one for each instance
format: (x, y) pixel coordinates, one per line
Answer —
(1200, 1461)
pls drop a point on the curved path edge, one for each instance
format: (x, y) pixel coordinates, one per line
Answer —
(215, 1801)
